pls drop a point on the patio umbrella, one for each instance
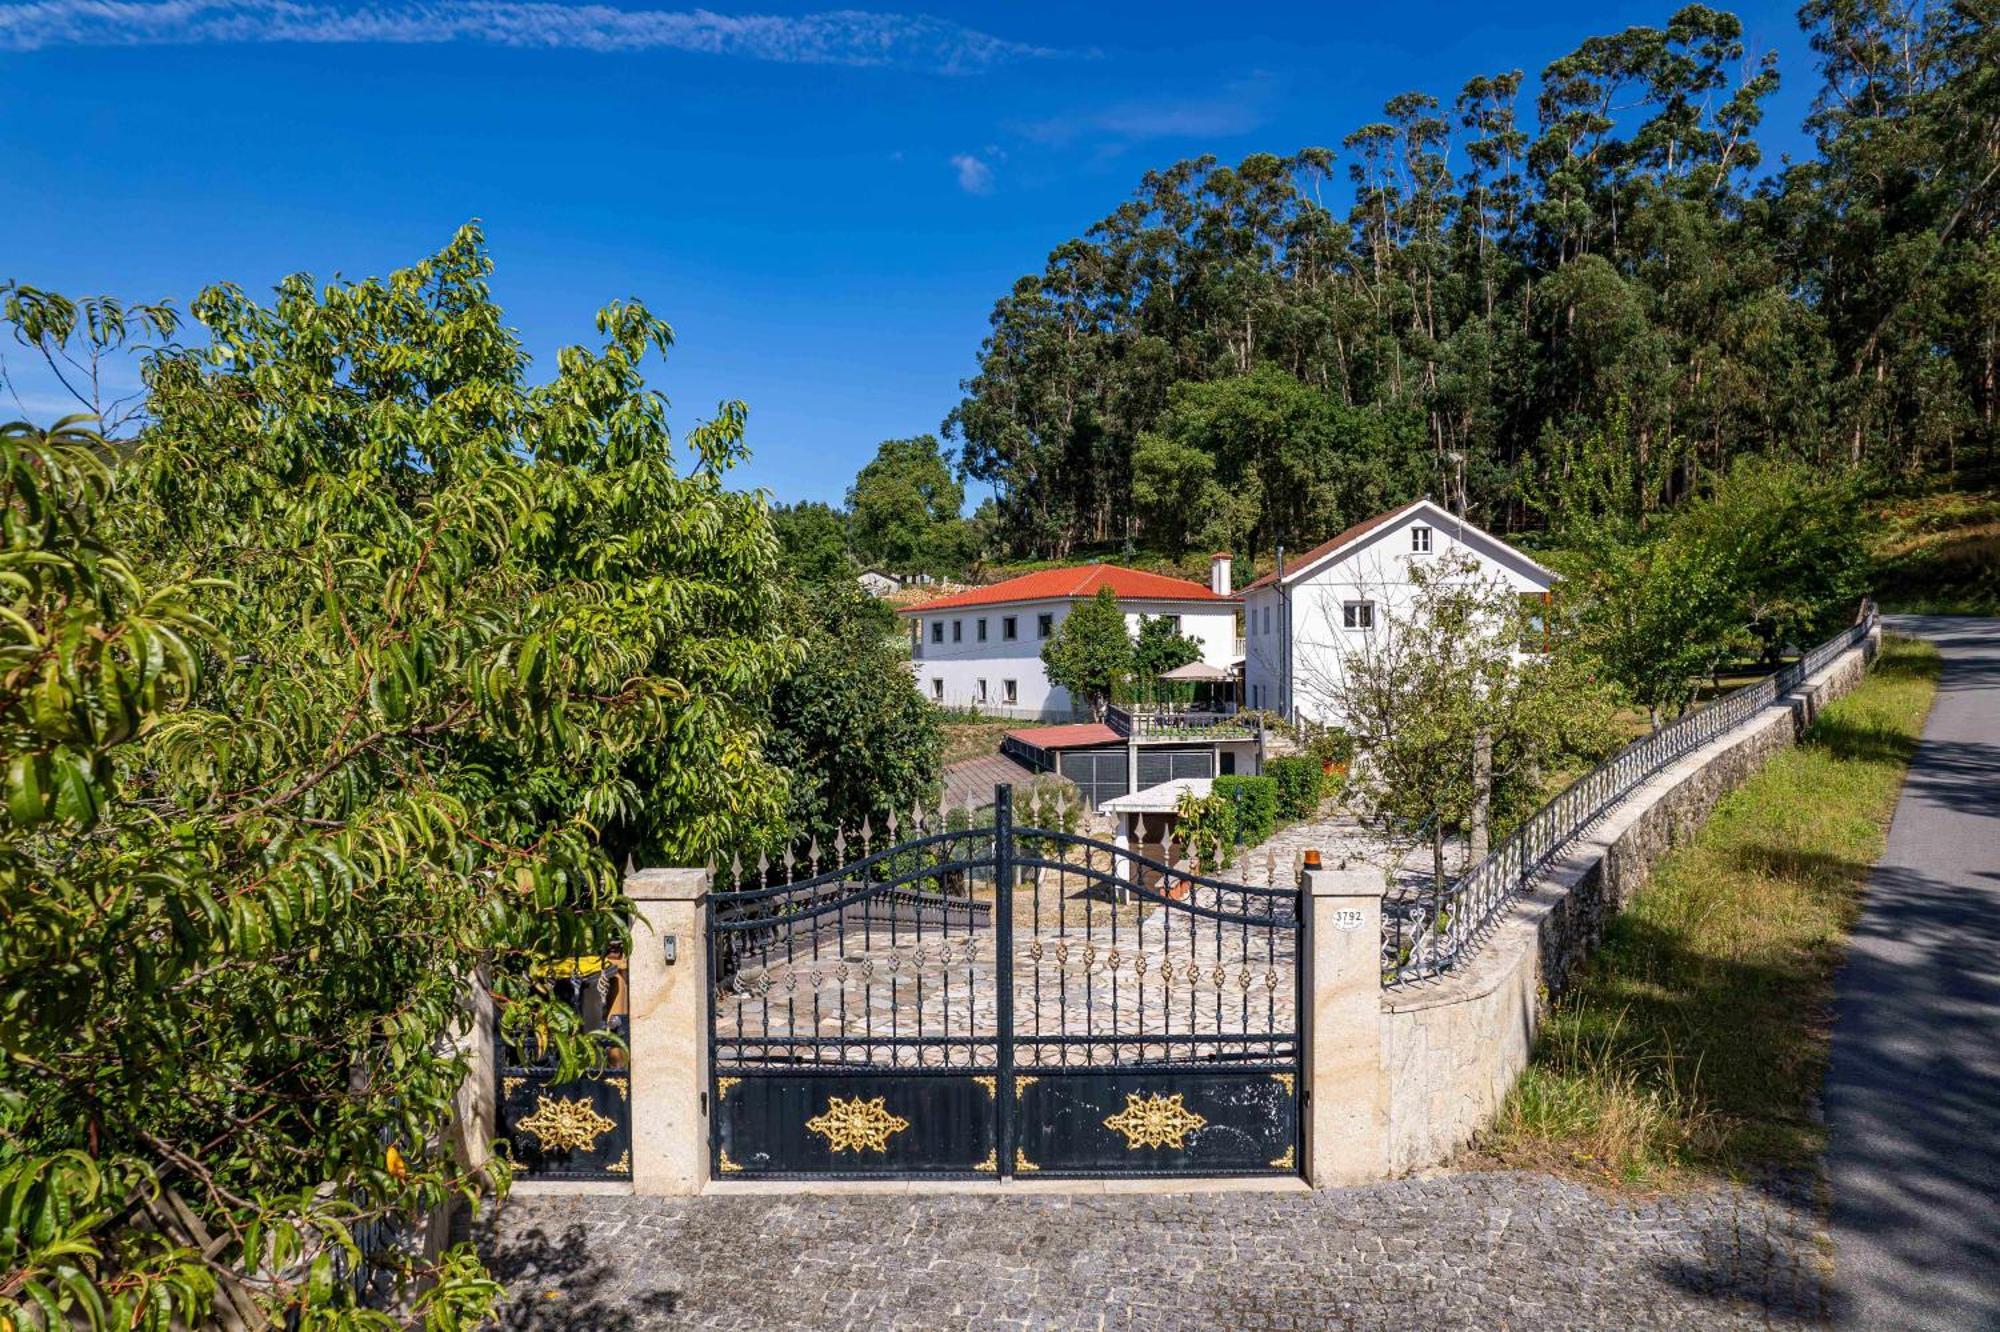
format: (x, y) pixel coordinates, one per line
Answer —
(1198, 672)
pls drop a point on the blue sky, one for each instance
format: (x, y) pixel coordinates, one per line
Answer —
(824, 204)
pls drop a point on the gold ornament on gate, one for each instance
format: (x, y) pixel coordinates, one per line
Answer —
(1155, 1121)
(565, 1125)
(852, 1125)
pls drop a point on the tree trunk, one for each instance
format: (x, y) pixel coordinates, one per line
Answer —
(1482, 797)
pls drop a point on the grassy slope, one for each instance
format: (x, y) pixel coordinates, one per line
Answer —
(967, 736)
(1940, 554)
(1695, 1040)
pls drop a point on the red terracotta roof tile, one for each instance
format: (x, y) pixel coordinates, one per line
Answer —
(1076, 581)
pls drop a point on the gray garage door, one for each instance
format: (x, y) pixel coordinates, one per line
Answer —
(1166, 765)
(1098, 773)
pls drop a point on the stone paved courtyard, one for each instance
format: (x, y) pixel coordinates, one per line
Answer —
(1488, 1251)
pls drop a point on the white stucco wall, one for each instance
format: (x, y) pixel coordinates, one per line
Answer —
(1307, 619)
(950, 672)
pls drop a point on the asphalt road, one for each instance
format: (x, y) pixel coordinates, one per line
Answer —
(1913, 1093)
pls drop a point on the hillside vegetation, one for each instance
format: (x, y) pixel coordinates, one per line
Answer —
(1939, 553)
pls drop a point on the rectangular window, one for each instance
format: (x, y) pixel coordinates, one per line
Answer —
(1009, 693)
(1044, 625)
(982, 631)
(1173, 621)
(1420, 541)
(937, 631)
(937, 689)
(1010, 628)
(1357, 614)
(1267, 619)
(982, 691)
(958, 631)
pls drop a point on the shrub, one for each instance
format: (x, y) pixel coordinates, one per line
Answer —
(1331, 745)
(1206, 830)
(1255, 800)
(1301, 781)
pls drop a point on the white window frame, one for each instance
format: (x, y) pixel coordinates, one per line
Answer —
(1010, 691)
(937, 688)
(1420, 540)
(982, 690)
(1357, 616)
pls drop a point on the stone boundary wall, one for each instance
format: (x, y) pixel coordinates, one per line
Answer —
(1453, 1047)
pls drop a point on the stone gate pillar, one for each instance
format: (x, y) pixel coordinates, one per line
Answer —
(669, 1036)
(1347, 1107)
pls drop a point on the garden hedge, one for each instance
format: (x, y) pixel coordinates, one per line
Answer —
(1255, 800)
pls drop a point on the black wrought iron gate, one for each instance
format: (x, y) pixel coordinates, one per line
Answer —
(982, 999)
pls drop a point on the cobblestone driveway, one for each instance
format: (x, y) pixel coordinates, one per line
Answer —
(1473, 1251)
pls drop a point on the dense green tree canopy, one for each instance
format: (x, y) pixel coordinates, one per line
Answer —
(1090, 653)
(339, 688)
(1772, 555)
(1255, 461)
(813, 539)
(849, 729)
(904, 508)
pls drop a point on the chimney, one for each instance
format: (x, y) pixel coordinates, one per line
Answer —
(1218, 573)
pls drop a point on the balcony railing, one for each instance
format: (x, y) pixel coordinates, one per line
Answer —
(1143, 722)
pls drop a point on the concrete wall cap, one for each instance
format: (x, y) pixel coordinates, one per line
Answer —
(1347, 881)
(667, 885)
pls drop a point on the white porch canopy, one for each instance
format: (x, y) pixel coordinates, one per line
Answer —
(1162, 799)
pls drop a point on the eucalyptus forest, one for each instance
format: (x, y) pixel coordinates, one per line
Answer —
(1613, 266)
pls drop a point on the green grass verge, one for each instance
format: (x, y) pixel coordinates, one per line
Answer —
(1694, 1041)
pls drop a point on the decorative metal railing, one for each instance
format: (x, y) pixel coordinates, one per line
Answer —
(1166, 723)
(1425, 933)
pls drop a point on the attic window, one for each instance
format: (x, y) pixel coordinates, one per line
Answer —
(1420, 541)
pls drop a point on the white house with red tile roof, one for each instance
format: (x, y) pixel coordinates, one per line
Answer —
(983, 647)
(1302, 622)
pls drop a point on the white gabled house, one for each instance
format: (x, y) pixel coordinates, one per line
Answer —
(983, 647)
(1302, 622)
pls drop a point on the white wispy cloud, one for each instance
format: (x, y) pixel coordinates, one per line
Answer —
(1239, 108)
(974, 175)
(839, 37)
